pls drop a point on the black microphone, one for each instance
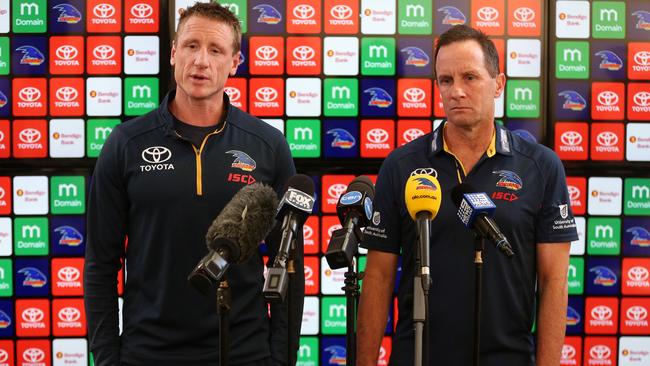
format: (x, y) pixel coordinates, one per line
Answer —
(355, 212)
(235, 234)
(296, 205)
(475, 210)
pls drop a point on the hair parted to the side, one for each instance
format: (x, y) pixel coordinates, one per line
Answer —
(213, 11)
(460, 33)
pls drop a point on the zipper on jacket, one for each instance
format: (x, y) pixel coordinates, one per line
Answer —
(198, 152)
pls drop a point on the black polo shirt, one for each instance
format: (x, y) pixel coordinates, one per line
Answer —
(527, 183)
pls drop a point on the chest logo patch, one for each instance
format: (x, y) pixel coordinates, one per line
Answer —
(425, 171)
(509, 180)
(156, 156)
(242, 161)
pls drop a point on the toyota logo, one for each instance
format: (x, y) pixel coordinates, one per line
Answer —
(2, 136)
(336, 190)
(156, 154)
(304, 11)
(141, 10)
(637, 273)
(332, 229)
(571, 138)
(29, 135)
(637, 313)
(642, 99)
(66, 94)
(266, 94)
(642, 58)
(2, 193)
(104, 52)
(266, 53)
(307, 231)
(308, 273)
(377, 135)
(66, 52)
(574, 193)
(524, 14)
(233, 93)
(601, 312)
(69, 314)
(382, 353)
(32, 315)
(414, 95)
(607, 98)
(341, 12)
(487, 13)
(568, 352)
(425, 171)
(600, 352)
(304, 53)
(607, 138)
(4, 356)
(29, 94)
(33, 355)
(104, 10)
(411, 134)
(68, 274)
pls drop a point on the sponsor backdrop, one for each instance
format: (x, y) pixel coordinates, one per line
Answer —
(347, 81)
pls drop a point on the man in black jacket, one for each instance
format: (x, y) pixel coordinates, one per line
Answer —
(160, 181)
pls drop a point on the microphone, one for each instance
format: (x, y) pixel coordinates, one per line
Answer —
(355, 212)
(235, 234)
(475, 210)
(423, 196)
(293, 210)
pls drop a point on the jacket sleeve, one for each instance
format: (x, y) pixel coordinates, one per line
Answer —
(279, 321)
(106, 228)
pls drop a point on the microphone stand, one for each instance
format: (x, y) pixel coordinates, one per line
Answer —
(421, 282)
(479, 243)
(223, 308)
(351, 289)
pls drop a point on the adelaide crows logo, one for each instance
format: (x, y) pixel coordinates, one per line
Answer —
(609, 60)
(31, 56)
(33, 277)
(379, 97)
(416, 57)
(509, 180)
(644, 19)
(342, 138)
(242, 161)
(268, 14)
(453, 16)
(604, 276)
(572, 316)
(3, 99)
(67, 14)
(641, 236)
(69, 236)
(426, 184)
(338, 355)
(5, 320)
(573, 100)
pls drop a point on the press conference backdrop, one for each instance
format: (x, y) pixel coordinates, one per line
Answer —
(347, 81)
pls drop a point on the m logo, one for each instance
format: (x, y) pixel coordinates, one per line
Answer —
(29, 94)
(67, 94)
(336, 190)
(101, 133)
(104, 10)
(414, 11)
(572, 55)
(642, 58)
(68, 274)
(487, 14)
(523, 94)
(601, 313)
(266, 94)
(341, 12)
(267, 53)
(141, 10)
(304, 53)
(642, 99)
(338, 311)
(608, 15)
(233, 93)
(378, 51)
(607, 138)
(637, 313)
(604, 231)
(69, 314)
(104, 52)
(141, 91)
(67, 52)
(303, 133)
(340, 92)
(414, 95)
(642, 192)
(377, 136)
(568, 352)
(156, 154)
(29, 9)
(412, 134)
(304, 11)
(571, 138)
(30, 231)
(572, 271)
(524, 14)
(304, 351)
(608, 98)
(33, 355)
(32, 315)
(68, 190)
(29, 135)
(638, 273)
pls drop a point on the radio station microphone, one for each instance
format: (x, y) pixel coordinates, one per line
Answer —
(235, 234)
(475, 210)
(355, 212)
(294, 208)
(422, 195)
